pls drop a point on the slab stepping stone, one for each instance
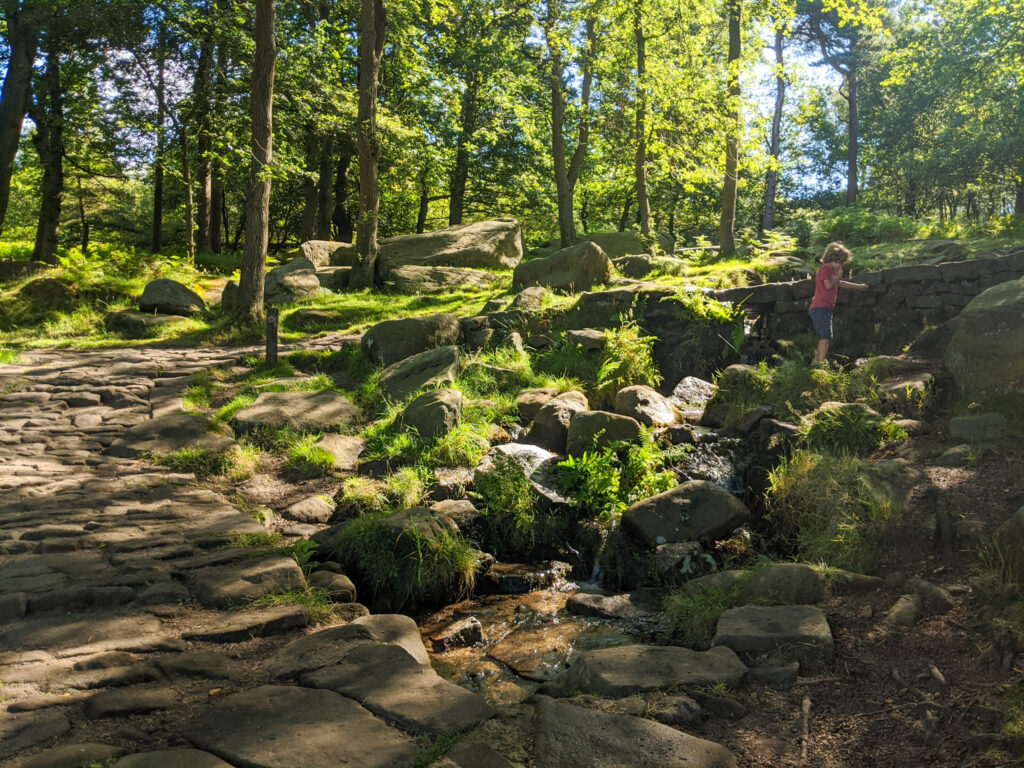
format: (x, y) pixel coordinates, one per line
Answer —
(785, 632)
(59, 633)
(324, 411)
(784, 583)
(119, 702)
(573, 737)
(620, 672)
(434, 368)
(390, 683)
(168, 434)
(255, 622)
(314, 509)
(284, 726)
(110, 677)
(317, 650)
(18, 732)
(343, 449)
(173, 758)
(74, 756)
(247, 580)
(204, 665)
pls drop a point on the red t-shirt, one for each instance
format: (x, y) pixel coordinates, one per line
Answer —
(823, 296)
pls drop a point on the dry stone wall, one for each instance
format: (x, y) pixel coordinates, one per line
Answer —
(882, 320)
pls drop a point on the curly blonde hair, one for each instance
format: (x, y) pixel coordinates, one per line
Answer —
(836, 253)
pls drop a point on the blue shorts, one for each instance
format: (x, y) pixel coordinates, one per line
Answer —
(822, 319)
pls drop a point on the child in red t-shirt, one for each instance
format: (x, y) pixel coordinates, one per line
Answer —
(826, 287)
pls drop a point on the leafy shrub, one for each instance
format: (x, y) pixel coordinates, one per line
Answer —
(399, 568)
(854, 225)
(509, 503)
(834, 509)
(693, 612)
(462, 446)
(627, 359)
(850, 429)
(362, 496)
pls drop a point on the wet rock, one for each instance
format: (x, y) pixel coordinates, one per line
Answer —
(673, 562)
(573, 737)
(592, 430)
(169, 434)
(516, 579)
(623, 606)
(338, 586)
(170, 298)
(393, 685)
(314, 509)
(393, 340)
(434, 413)
(324, 411)
(645, 405)
(173, 758)
(530, 401)
(788, 632)
(693, 511)
(459, 634)
(283, 726)
(550, 427)
(253, 622)
(573, 269)
(632, 669)
(434, 368)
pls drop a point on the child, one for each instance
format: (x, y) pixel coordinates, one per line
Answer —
(826, 286)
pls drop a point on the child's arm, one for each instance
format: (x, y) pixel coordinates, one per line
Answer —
(853, 286)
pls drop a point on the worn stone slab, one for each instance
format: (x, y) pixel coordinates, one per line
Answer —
(255, 622)
(59, 633)
(630, 669)
(390, 683)
(204, 665)
(344, 450)
(18, 732)
(317, 649)
(314, 509)
(623, 606)
(324, 411)
(173, 758)
(786, 632)
(119, 702)
(247, 580)
(573, 737)
(168, 434)
(284, 726)
(74, 756)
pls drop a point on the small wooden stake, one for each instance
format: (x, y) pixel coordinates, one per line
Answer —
(272, 337)
(805, 710)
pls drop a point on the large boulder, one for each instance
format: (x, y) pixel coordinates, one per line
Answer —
(416, 279)
(695, 510)
(291, 282)
(434, 413)
(536, 464)
(576, 268)
(170, 298)
(645, 405)
(394, 340)
(496, 244)
(590, 430)
(15, 270)
(229, 297)
(986, 353)
(325, 411)
(433, 368)
(49, 294)
(618, 244)
(550, 427)
(321, 252)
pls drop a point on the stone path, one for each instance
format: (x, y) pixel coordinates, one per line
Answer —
(128, 633)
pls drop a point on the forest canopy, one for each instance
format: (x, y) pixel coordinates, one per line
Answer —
(131, 122)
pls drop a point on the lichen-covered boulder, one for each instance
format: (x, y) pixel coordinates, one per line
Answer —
(593, 430)
(550, 428)
(645, 405)
(394, 340)
(576, 268)
(170, 298)
(411, 278)
(291, 282)
(495, 244)
(434, 413)
(695, 510)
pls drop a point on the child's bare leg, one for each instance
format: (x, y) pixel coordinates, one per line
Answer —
(822, 352)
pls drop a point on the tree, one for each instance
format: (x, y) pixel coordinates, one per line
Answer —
(373, 25)
(249, 308)
(775, 147)
(726, 234)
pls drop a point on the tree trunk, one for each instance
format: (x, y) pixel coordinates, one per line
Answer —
(22, 43)
(626, 206)
(48, 114)
(325, 191)
(851, 165)
(727, 229)
(421, 216)
(204, 144)
(158, 164)
(83, 221)
(772, 180)
(640, 156)
(460, 171)
(340, 218)
(372, 29)
(249, 309)
(310, 199)
(190, 208)
(218, 221)
(1018, 201)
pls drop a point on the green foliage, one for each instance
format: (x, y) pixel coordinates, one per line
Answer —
(307, 458)
(314, 599)
(835, 509)
(235, 464)
(227, 412)
(855, 225)
(399, 568)
(627, 359)
(199, 393)
(436, 749)
(509, 503)
(362, 496)
(350, 360)
(693, 612)
(462, 446)
(603, 483)
(850, 430)
(697, 307)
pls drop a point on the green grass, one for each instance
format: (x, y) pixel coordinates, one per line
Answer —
(236, 464)
(851, 429)
(307, 458)
(199, 394)
(693, 612)
(314, 599)
(510, 505)
(434, 750)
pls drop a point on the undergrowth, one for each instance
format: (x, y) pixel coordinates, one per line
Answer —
(693, 612)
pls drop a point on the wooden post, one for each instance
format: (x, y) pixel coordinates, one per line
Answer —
(272, 337)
